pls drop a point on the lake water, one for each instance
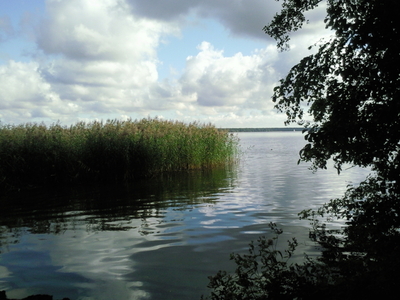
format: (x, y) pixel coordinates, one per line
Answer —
(160, 238)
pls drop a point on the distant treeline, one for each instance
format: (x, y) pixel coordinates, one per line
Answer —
(263, 129)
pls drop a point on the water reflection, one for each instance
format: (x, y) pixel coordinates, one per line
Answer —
(111, 207)
(51, 237)
(159, 238)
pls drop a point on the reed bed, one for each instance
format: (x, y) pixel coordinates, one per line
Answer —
(37, 155)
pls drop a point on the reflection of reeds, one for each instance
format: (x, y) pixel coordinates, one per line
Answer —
(36, 154)
(113, 206)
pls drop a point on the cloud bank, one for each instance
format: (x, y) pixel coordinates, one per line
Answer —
(100, 59)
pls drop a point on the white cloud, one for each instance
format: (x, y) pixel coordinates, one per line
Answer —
(105, 58)
(101, 45)
(99, 59)
(98, 30)
(26, 95)
(215, 80)
(18, 80)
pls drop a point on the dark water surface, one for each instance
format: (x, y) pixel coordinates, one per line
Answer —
(160, 238)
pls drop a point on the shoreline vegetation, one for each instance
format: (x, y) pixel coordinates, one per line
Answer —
(35, 155)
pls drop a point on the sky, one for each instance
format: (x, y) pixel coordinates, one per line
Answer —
(188, 60)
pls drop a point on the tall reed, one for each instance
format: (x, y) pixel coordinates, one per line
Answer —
(36, 155)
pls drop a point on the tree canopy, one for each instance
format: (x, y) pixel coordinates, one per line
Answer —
(351, 85)
(347, 96)
(350, 88)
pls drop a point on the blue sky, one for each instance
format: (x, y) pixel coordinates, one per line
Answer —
(187, 60)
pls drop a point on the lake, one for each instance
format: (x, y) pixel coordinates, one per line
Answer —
(160, 238)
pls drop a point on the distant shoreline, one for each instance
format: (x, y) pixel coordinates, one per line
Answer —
(263, 129)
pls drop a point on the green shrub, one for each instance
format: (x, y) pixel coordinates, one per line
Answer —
(267, 273)
(264, 273)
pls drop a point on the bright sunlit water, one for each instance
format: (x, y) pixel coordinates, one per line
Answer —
(160, 238)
